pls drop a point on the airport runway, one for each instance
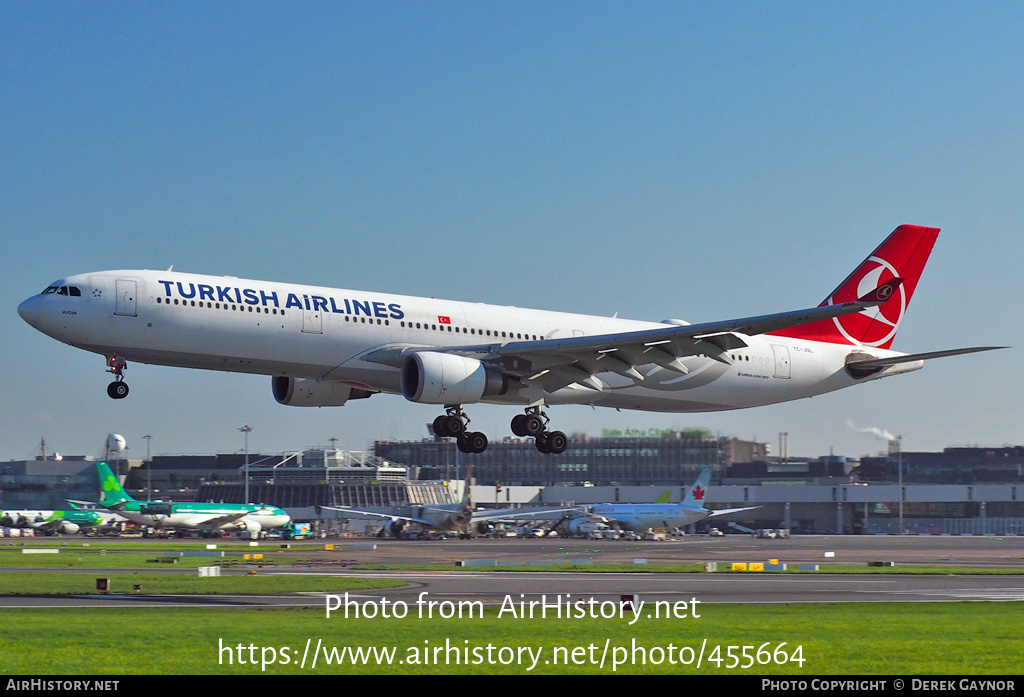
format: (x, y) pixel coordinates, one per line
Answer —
(491, 587)
(987, 552)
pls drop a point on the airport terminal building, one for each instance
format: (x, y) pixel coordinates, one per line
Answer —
(662, 458)
(956, 491)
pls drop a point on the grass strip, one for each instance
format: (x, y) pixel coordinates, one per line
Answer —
(852, 639)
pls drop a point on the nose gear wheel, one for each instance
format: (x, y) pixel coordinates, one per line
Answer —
(119, 388)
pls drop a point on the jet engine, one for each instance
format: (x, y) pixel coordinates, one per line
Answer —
(249, 524)
(300, 392)
(67, 528)
(584, 526)
(443, 378)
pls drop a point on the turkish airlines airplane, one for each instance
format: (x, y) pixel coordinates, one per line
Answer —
(326, 346)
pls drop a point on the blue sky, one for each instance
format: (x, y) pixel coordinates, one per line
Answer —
(691, 160)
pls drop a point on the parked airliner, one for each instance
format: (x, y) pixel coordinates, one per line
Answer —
(326, 346)
(446, 517)
(642, 516)
(207, 517)
(66, 522)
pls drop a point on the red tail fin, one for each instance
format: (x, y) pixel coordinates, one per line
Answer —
(903, 254)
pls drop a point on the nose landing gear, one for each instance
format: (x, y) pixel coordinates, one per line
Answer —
(119, 388)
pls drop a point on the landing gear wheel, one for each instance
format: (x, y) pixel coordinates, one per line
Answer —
(477, 442)
(533, 424)
(454, 426)
(474, 442)
(518, 427)
(542, 443)
(117, 390)
(557, 442)
(451, 424)
(438, 426)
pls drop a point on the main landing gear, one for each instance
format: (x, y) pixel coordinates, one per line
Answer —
(454, 424)
(119, 388)
(534, 423)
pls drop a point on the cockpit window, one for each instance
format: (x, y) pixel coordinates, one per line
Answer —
(73, 291)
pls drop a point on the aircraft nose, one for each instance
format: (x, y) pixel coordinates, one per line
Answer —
(29, 310)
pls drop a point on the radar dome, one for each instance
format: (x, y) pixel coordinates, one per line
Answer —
(115, 443)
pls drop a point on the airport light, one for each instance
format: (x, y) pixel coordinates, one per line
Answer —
(899, 465)
(149, 469)
(246, 429)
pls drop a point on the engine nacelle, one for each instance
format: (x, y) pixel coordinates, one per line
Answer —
(584, 526)
(300, 392)
(249, 524)
(442, 378)
(67, 528)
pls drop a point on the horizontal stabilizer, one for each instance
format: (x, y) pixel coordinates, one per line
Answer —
(873, 364)
(893, 360)
(727, 511)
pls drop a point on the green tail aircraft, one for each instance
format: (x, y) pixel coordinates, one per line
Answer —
(212, 517)
(51, 522)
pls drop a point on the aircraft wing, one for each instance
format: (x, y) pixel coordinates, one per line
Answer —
(213, 521)
(556, 363)
(375, 514)
(517, 514)
(607, 520)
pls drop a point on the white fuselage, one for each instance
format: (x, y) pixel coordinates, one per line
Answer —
(231, 324)
(196, 516)
(642, 516)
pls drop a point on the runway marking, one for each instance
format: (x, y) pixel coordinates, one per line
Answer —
(998, 594)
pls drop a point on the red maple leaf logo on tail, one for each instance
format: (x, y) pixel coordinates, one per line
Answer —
(698, 493)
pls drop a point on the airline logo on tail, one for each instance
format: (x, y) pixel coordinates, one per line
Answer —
(695, 495)
(113, 494)
(902, 255)
(875, 326)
